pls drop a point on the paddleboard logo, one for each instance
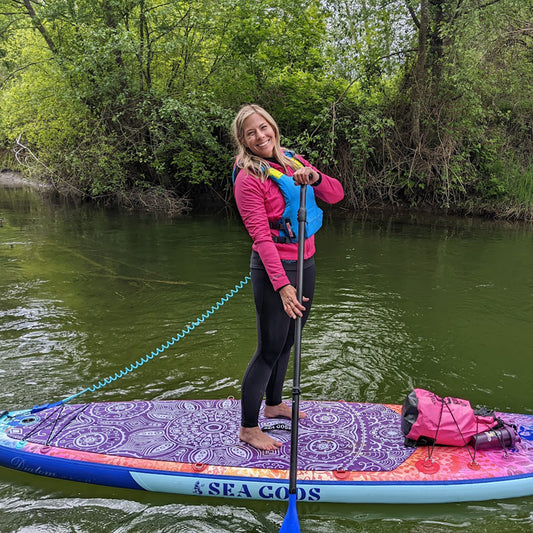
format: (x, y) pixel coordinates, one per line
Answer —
(268, 492)
(253, 491)
(220, 488)
(19, 464)
(198, 488)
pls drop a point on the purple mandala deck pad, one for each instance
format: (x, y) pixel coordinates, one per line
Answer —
(333, 436)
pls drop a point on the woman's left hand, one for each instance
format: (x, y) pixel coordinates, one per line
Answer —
(305, 176)
(290, 302)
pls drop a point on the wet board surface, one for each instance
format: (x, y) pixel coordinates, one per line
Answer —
(355, 451)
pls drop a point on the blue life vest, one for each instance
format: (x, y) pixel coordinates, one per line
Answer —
(287, 225)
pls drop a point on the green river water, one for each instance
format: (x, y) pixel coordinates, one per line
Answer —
(401, 301)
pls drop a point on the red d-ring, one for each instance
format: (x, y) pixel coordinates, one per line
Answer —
(341, 474)
(427, 466)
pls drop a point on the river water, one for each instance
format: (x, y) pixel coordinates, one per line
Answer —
(401, 301)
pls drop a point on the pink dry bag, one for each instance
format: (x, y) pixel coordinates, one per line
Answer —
(429, 419)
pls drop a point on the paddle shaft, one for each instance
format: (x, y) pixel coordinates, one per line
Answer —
(302, 218)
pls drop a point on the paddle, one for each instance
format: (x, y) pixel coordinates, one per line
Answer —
(290, 522)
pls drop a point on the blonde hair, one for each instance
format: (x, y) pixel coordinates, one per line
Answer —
(246, 159)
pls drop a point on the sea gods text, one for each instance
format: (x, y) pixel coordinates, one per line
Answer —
(254, 490)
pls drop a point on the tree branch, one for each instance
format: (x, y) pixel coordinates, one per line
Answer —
(39, 25)
(413, 15)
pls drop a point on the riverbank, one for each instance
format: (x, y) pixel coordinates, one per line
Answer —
(157, 200)
(152, 200)
(11, 179)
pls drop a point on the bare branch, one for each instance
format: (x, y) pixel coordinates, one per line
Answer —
(413, 15)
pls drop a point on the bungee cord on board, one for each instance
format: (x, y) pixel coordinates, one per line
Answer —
(154, 353)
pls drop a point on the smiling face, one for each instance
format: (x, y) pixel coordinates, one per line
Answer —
(259, 136)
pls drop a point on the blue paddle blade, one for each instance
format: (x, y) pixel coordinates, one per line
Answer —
(290, 522)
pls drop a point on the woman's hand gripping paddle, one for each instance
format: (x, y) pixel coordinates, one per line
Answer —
(290, 522)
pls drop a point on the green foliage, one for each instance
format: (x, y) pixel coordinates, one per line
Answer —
(124, 93)
(407, 102)
(186, 141)
(518, 182)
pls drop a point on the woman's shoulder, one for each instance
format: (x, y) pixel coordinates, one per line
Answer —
(246, 180)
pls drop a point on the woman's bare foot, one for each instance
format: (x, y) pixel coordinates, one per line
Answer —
(280, 410)
(256, 438)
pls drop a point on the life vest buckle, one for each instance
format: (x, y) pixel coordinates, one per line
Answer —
(288, 228)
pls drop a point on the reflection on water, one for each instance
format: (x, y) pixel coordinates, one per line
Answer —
(358, 341)
(438, 303)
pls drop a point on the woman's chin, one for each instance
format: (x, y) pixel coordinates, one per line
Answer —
(265, 151)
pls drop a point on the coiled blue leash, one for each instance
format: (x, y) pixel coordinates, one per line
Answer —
(152, 355)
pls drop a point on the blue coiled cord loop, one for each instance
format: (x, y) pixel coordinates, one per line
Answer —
(152, 355)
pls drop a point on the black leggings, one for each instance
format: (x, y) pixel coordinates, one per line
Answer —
(266, 371)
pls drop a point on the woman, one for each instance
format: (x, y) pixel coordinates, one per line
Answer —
(261, 203)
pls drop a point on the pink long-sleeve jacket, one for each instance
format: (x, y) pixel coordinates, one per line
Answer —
(261, 202)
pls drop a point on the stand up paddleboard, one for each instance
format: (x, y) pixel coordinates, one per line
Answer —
(347, 452)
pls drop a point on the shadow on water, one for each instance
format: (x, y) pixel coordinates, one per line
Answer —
(401, 301)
